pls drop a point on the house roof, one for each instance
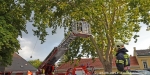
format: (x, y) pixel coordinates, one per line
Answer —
(96, 63)
(18, 64)
(145, 52)
(2, 68)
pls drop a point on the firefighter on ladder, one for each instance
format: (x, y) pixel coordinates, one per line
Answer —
(122, 59)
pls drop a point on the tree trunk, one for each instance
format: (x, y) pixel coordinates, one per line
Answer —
(107, 67)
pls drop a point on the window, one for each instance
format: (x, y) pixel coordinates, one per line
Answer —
(145, 64)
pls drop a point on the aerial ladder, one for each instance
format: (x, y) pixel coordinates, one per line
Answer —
(79, 29)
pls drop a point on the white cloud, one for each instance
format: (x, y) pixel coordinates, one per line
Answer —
(40, 51)
(143, 41)
(26, 48)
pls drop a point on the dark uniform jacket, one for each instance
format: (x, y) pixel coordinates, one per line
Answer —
(122, 59)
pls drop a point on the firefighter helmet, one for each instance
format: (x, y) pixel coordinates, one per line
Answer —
(119, 45)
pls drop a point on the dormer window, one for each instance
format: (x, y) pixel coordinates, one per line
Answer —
(145, 64)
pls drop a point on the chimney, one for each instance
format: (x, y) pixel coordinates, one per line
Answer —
(134, 48)
(134, 51)
(130, 55)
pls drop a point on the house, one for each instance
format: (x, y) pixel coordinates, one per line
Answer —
(143, 57)
(96, 64)
(19, 66)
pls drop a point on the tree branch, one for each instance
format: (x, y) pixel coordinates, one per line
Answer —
(107, 34)
(112, 38)
(105, 17)
(97, 49)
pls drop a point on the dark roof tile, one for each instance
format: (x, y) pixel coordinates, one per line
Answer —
(145, 52)
(18, 64)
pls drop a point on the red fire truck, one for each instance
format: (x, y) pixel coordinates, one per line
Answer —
(81, 70)
(79, 29)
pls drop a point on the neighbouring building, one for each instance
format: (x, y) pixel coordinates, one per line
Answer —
(143, 58)
(19, 67)
(139, 61)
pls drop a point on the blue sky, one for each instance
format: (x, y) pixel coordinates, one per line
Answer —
(42, 50)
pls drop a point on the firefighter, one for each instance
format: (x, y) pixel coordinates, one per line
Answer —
(53, 68)
(29, 73)
(122, 59)
(43, 71)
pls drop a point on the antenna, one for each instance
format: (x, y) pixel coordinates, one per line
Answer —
(34, 48)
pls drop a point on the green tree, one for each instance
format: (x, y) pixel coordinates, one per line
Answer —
(36, 63)
(111, 20)
(12, 23)
(62, 60)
